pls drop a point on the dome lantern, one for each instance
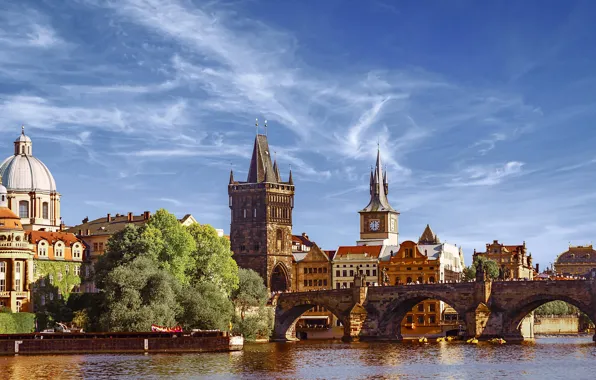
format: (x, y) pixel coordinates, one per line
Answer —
(23, 144)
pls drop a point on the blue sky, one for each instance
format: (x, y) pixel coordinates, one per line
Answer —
(484, 110)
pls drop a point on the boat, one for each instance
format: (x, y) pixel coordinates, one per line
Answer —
(119, 342)
(472, 341)
(441, 339)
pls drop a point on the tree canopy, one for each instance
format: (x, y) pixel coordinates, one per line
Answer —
(491, 268)
(251, 291)
(166, 273)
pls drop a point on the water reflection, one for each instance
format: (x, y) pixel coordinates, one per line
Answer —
(547, 358)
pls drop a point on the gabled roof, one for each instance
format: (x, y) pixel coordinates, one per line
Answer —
(261, 168)
(371, 250)
(52, 237)
(378, 190)
(330, 253)
(301, 239)
(428, 237)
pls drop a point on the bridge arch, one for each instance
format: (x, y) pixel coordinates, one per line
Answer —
(391, 320)
(522, 308)
(289, 309)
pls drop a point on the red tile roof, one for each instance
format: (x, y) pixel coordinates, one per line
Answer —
(371, 250)
(330, 253)
(52, 237)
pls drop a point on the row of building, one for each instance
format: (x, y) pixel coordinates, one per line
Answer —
(261, 239)
(41, 259)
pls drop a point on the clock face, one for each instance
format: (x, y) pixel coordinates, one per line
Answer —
(374, 225)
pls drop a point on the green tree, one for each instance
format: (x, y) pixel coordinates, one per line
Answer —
(206, 307)
(251, 291)
(172, 244)
(556, 308)
(138, 294)
(212, 258)
(256, 326)
(491, 268)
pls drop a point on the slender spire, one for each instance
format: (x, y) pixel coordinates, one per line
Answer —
(231, 176)
(291, 179)
(276, 168)
(378, 196)
(23, 129)
(385, 182)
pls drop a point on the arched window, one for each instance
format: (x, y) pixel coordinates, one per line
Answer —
(42, 249)
(420, 279)
(2, 276)
(23, 209)
(76, 251)
(45, 210)
(18, 306)
(22, 150)
(279, 239)
(409, 280)
(431, 279)
(59, 250)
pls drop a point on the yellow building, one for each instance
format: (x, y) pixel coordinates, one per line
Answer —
(576, 261)
(16, 260)
(32, 193)
(513, 260)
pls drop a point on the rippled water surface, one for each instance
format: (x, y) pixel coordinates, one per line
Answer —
(547, 358)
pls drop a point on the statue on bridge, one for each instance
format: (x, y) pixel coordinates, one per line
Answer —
(480, 273)
(358, 278)
(385, 277)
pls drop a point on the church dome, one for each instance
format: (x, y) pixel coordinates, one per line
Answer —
(24, 172)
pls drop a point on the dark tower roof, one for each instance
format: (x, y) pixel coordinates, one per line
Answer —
(428, 237)
(276, 171)
(261, 169)
(378, 190)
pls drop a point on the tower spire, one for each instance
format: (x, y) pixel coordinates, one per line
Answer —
(378, 194)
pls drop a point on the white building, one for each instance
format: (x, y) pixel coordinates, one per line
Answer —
(32, 193)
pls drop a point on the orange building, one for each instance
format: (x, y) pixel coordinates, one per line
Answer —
(426, 262)
(513, 260)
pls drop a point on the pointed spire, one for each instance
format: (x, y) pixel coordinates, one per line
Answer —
(276, 169)
(378, 194)
(261, 168)
(291, 179)
(231, 176)
(385, 183)
(428, 237)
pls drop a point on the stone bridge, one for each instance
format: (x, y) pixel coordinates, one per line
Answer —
(490, 309)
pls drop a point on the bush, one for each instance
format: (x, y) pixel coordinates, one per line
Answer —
(17, 323)
(255, 326)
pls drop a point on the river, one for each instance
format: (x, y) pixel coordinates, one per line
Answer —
(546, 358)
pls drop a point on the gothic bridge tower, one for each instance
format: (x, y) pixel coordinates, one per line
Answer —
(261, 219)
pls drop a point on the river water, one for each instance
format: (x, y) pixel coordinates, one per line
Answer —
(546, 358)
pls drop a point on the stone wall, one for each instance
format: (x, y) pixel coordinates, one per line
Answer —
(564, 324)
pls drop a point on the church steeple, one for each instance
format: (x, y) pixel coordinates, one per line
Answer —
(378, 189)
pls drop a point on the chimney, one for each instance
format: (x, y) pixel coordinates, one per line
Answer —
(304, 235)
(130, 216)
(537, 268)
(146, 215)
(109, 218)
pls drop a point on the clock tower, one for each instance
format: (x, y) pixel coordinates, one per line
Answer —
(378, 220)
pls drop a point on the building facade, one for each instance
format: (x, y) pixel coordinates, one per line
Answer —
(261, 219)
(513, 260)
(60, 267)
(16, 260)
(576, 261)
(32, 193)
(349, 260)
(378, 220)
